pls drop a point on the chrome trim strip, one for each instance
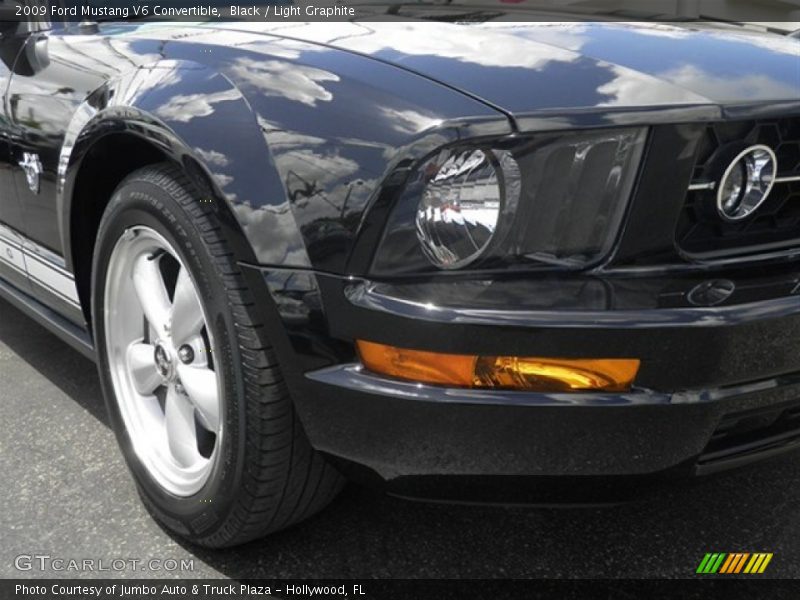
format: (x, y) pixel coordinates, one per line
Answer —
(353, 376)
(702, 185)
(364, 295)
(54, 292)
(50, 278)
(711, 185)
(10, 236)
(50, 258)
(11, 251)
(17, 264)
(10, 241)
(42, 266)
(44, 261)
(788, 179)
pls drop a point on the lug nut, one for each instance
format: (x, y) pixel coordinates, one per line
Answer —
(186, 354)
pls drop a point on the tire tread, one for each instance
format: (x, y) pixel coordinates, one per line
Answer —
(284, 480)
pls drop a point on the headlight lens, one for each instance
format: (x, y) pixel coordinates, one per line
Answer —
(459, 211)
(549, 199)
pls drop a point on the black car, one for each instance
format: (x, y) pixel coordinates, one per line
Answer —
(477, 261)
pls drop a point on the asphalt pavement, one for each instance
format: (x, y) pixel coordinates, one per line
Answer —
(65, 493)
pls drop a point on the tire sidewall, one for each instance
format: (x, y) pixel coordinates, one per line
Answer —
(140, 202)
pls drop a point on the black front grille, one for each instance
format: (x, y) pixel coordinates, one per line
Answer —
(774, 226)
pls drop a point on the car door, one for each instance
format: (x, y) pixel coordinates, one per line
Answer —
(13, 36)
(49, 82)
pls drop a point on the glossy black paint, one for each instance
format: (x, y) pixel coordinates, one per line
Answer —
(327, 125)
(579, 73)
(303, 134)
(701, 364)
(403, 430)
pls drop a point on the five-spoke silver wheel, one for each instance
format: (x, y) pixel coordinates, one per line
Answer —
(159, 349)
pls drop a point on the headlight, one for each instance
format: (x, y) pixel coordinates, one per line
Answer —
(459, 211)
(555, 199)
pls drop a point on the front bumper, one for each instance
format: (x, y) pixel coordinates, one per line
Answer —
(719, 386)
(432, 442)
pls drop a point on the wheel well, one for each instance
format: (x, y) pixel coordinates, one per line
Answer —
(105, 165)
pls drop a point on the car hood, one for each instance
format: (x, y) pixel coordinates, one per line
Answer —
(533, 68)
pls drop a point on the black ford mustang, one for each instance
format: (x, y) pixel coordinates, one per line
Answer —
(464, 262)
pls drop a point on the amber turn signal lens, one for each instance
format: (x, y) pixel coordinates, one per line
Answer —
(415, 365)
(502, 372)
(556, 374)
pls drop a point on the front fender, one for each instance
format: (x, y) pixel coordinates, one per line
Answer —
(199, 119)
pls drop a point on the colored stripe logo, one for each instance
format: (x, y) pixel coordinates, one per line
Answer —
(734, 563)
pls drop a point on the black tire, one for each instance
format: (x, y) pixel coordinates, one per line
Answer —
(268, 476)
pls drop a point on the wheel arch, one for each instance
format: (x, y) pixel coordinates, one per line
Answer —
(140, 120)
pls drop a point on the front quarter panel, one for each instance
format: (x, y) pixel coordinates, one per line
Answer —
(297, 138)
(336, 124)
(198, 118)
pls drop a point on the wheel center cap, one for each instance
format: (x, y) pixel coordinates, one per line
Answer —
(164, 364)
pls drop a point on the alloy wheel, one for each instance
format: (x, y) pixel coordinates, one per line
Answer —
(159, 349)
